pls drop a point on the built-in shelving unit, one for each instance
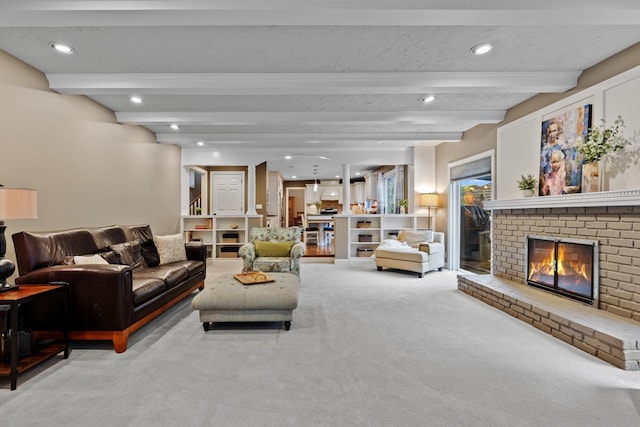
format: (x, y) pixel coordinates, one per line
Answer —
(219, 232)
(366, 232)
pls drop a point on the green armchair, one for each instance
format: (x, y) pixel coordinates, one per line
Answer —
(276, 249)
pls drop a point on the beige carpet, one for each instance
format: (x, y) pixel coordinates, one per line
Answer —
(366, 348)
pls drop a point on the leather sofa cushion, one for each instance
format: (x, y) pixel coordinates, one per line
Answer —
(35, 250)
(145, 289)
(105, 236)
(171, 274)
(193, 267)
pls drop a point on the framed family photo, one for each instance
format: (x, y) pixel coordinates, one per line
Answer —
(560, 161)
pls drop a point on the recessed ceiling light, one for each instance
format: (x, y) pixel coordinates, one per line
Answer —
(293, 177)
(428, 99)
(62, 48)
(136, 100)
(287, 157)
(482, 48)
(174, 126)
(357, 173)
(200, 143)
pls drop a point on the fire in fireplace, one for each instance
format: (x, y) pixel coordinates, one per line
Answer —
(564, 266)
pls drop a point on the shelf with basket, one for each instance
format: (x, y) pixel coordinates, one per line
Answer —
(232, 231)
(365, 232)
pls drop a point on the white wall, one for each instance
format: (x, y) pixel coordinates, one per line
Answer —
(519, 141)
(88, 169)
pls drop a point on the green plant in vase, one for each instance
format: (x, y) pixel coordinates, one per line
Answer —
(403, 203)
(601, 142)
(527, 184)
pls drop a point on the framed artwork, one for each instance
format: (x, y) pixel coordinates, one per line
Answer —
(560, 162)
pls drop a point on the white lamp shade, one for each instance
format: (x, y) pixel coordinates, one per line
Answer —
(429, 200)
(18, 203)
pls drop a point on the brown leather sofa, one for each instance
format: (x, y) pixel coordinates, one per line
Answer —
(108, 301)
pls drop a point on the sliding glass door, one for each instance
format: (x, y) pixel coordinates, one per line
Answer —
(475, 224)
(469, 222)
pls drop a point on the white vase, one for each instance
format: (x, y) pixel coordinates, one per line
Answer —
(591, 174)
(527, 193)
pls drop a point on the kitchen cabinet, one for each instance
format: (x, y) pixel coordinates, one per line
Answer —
(357, 192)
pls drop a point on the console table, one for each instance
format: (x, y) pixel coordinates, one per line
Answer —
(41, 351)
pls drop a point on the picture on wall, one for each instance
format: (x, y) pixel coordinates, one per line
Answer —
(560, 162)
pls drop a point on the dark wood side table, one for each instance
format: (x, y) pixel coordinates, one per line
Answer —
(40, 351)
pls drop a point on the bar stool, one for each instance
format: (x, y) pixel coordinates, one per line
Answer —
(328, 233)
(309, 233)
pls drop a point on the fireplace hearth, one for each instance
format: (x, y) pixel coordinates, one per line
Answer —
(568, 267)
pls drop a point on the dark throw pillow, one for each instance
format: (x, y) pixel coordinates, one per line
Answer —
(150, 253)
(130, 254)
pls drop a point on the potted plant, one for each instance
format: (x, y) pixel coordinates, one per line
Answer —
(403, 203)
(601, 142)
(527, 184)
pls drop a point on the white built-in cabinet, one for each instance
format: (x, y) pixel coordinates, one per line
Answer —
(357, 192)
(214, 231)
(371, 187)
(353, 232)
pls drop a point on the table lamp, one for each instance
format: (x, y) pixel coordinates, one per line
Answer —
(429, 200)
(15, 203)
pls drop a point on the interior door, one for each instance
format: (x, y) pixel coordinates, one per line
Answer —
(227, 193)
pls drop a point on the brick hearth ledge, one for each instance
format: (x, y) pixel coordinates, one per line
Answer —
(614, 339)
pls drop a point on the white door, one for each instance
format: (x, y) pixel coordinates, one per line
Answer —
(227, 193)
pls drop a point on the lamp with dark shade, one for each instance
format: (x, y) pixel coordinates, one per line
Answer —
(429, 200)
(15, 203)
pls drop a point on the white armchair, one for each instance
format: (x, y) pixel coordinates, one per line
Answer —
(414, 250)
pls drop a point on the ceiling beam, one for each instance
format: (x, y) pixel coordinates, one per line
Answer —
(313, 83)
(24, 13)
(298, 118)
(310, 138)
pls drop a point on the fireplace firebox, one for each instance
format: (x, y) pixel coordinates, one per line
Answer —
(567, 267)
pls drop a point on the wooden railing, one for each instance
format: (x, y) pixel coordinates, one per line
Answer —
(195, 207)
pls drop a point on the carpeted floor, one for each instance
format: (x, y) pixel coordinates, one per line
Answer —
(366, 348)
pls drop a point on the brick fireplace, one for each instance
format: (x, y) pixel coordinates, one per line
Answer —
(610, 328)
(616, 228)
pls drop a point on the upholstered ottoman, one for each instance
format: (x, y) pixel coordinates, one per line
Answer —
(225, 299)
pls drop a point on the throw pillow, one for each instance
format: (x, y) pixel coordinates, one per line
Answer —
(415, 237)
(273, 249)
(129, 254)
(111, 257)
(170, 248)
(89, 259)
(150, 253)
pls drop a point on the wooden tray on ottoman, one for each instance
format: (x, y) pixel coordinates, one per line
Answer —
(253, 278)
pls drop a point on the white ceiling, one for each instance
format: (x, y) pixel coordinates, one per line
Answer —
(314, 78)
